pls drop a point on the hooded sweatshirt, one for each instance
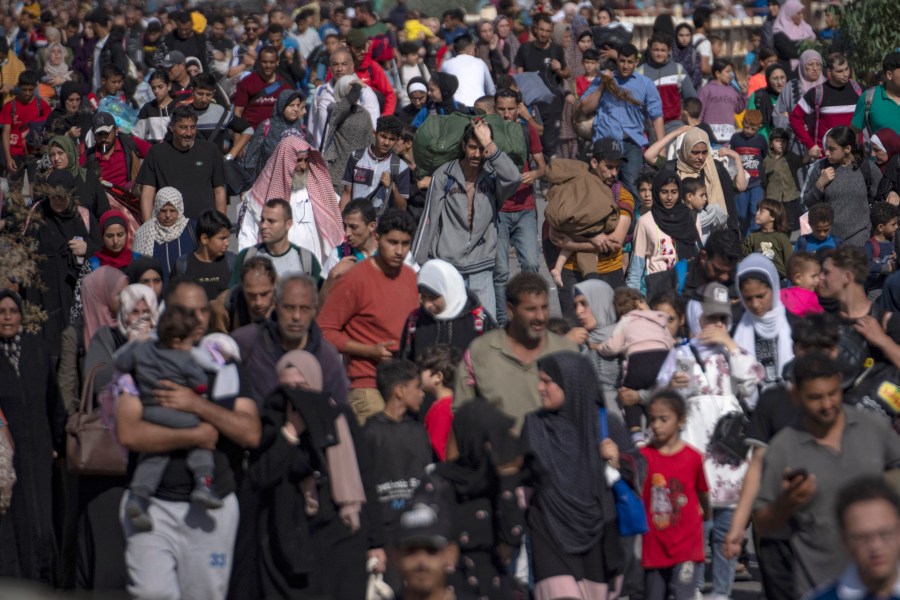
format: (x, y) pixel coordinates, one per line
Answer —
(639, 331)
(672, 82)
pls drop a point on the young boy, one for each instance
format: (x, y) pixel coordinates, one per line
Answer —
(16, 116)
(149, 363)
(411, 65)
(821, 220)
(752, 149)
(591, 61)
(780, 168)
(803, 270)
(880, 247)
(398, 445)
(376, 173)
(111, 81)
(438, 372)
(644, 185)
(711, 217)
(211, 264)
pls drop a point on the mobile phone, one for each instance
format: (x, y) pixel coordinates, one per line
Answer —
(794, 473)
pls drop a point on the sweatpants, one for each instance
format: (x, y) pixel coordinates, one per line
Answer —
(188, 554)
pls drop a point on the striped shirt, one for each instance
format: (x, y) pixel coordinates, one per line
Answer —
(835, 107)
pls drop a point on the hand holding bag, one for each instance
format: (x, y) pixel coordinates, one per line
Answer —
(91, 448)
(630, 512)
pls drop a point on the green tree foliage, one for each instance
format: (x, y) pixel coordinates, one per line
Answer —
(870, 28)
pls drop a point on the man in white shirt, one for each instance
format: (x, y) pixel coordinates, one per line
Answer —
(323, 97)
(474, 77)
(306, 36)
(100, 21)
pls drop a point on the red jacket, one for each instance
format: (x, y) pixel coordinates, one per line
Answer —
(374, 76)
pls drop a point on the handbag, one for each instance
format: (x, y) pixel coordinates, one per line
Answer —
(91, 448)
(631, 517)
(237, 179)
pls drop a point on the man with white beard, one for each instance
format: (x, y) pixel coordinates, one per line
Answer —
(297, 174)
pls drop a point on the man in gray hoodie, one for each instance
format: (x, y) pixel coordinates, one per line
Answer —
(459, 224)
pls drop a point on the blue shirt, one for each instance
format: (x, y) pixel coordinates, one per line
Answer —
(810, 243)
(622, 120)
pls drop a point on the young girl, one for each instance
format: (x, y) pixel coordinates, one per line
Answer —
(669, 231)
(803, 270)
(771, 240)
(676, 498)
(721, 102)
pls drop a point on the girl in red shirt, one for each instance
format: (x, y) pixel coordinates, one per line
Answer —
(676, 500)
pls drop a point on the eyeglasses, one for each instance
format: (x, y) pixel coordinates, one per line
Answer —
(885, 536)
(253, 29)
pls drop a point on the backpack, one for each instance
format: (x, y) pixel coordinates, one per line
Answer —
(395, 172)
(306, 257)
(817, 103)
(34, 132)
(381, 49)
(181, 263)
(437, 141)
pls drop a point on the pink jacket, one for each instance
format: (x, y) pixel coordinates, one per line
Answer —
(639, 331)
(800, 301)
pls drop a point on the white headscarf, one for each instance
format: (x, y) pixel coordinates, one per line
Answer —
(443, 279)
(153, 232)
(771, 326)
(129, 297)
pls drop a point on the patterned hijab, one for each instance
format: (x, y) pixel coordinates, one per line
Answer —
(276, 181)
(11, 347)
(153, 232)
(269, 133)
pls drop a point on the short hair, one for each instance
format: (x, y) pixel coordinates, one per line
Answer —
(395, 219)
(720, 64)
(181, 113)
(454, 13)
(441, 358)
(882, 213)
(778, 212)
(182, 16)
(362, 206)
(393, 373)
(671, 399)
(461, 43)
(176, 323)
(304, 14)
(798, 262)
(525, 283)
(216, 19)
(296, 277)
(408, 48)
(814, 365)
(660, 38)
(692, 185)
(767, 52)
(276, 28)
(175, 284)
(111, 70)
(821, 213)
(628, 50)
(507, 93)
(541, 18)
(469, 134)
(867, 488)
(409, 133)
(366, 6)
(212, 222)
(642, 179)
(693, 107)
(503, 81)
(485, 105)
(756, 32)
(724, 244)
(835, 59)
(701, 16)
(390, 124)
(816, 331)
(28, 77)
(559, 325)
(283, 204)
(267, 49)
(204, 81)
(891, 61)
(590, 54)
(625, 300)
(852, 259)
(262, 264)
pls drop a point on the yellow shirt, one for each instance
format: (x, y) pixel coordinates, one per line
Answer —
(613, 262)
(9, 73)
(414, 30)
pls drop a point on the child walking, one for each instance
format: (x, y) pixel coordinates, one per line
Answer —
(676, 500)
(879, 248)
(771, 240)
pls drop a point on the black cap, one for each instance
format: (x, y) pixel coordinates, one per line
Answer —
(421, 526)
(99, 16)
(103, 121)
(608, 149)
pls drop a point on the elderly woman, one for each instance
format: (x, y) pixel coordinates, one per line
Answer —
(310, 542)
(297, 173)
(29, 399)
(287, 119)
(809, 75)
(88, 191)
(168, 234)
(349, 127)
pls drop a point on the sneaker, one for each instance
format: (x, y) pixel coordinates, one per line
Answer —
(204, 495)
(137, 515)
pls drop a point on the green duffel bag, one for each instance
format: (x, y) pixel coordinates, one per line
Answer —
(438, 140)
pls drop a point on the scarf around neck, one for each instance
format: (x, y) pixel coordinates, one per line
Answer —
(153, 232)
(121, 259)
(708, 172)
(678, 222)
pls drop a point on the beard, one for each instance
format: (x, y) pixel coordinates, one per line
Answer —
(299, 181)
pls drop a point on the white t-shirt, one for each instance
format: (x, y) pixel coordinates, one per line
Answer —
(704, 48)
(364, 175)
(474, 78)
(304, 232)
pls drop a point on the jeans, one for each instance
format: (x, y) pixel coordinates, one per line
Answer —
(747, 203)
(629, 171)
(722, 568)
(482, 284)
(520, 228)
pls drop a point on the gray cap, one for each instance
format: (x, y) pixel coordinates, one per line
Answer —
(716, 301)
(171, 59)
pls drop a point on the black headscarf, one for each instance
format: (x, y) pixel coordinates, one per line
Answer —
(448, 84)
(768, 96)
(11, 348)
(574, 496)
(473, 474)
(678, 222)
(141, 265)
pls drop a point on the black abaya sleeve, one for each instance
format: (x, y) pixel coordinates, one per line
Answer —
(371, 515)
(56, 411)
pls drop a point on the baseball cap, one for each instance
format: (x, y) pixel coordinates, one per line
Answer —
(103, 122)
(608, 149)
(171, 59)
(716, 301)
(356, 38)
(421, 526)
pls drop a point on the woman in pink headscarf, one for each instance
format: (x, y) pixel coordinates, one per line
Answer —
(790, 29)
(296, 172)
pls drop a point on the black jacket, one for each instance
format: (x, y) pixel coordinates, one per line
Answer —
(423, 331)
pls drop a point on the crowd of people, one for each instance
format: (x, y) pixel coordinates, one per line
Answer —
(367, 397)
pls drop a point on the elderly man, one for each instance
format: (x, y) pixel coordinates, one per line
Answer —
(297, 173)
(341, 64)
